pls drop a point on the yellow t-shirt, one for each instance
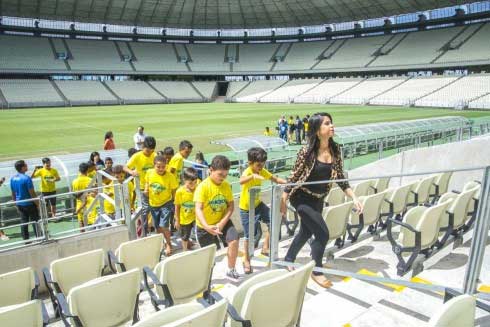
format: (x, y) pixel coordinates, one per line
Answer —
(48, 178)
(267, 133)
(215, 199)
(79, 184)
(141, 164)
(160, 187)
(177, 162)
(185, 199)
(109, 207)
(306, 126)
(245, 195)
(92, 215)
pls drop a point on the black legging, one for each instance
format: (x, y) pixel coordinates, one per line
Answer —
(312, 223)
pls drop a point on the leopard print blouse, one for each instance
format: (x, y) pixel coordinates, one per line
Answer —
(302, 170)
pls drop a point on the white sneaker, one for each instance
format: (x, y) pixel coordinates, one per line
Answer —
(232, 274)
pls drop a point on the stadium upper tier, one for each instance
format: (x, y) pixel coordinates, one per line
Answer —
(444, 47)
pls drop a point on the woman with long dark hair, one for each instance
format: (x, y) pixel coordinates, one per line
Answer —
(318, 160)
(95, 158)
(109, 141)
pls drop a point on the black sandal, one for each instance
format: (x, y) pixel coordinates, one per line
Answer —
(247, 269)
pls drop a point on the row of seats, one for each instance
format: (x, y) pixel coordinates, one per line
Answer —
(21, 93)
(459, 93)
(179, 290)
(465, 44)
(435, 214)
(86, 93)
(471, 91)
(180, 285)
(427, 228)
(291, 90)
(43, 93)
(257, 89)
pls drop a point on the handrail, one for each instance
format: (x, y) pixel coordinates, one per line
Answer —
(476, 250)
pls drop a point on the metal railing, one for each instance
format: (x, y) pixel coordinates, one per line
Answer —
(123, 213)
(478, 237)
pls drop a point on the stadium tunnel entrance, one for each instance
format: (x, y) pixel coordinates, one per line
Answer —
(223, 88)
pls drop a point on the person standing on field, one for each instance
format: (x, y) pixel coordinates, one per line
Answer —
(139, 138)
(109, 141)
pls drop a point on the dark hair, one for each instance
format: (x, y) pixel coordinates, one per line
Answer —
(108, 135)
(199, 156)
(90, 164)
(159, 159)
(108, 159)
(93, 154)
(185, 144)
(19, 164)
(131, 151)
(313, 143)
(46, 160)
(190, 174)
(117, 169)
(267, 127)
(168, 151)
(256, 155)
(220, 162)
(83, 168)
(149, 142)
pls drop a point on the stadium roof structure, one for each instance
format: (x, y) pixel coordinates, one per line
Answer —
(407, 128)
(216, 14)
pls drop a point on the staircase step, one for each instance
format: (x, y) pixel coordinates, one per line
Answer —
(60, 93)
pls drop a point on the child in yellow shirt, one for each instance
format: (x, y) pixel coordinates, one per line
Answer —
(49, 176)
(267, 132)
(92, 169)
(160, 187)
(176, 164)
(185, 213)
(118, 172)
(253, 176)
(138, 165)
(214, 207)
(83, 209)
(80, 184)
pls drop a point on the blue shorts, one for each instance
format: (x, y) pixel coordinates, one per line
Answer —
(262, 213)
(162, 215)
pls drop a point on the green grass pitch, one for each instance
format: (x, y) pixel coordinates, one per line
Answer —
(27, 133)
